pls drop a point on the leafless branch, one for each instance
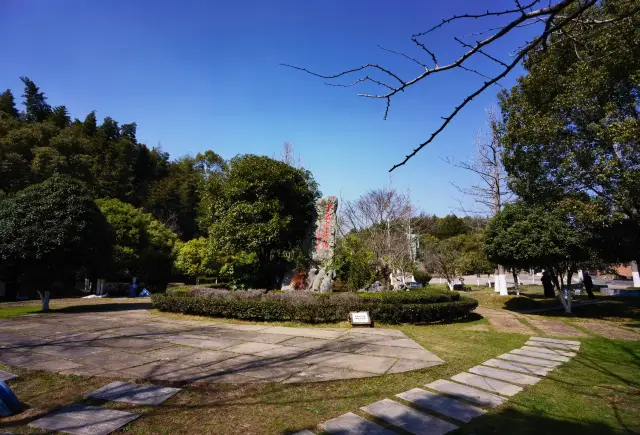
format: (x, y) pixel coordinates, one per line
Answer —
(405, 56)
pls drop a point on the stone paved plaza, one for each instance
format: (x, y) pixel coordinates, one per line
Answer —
(134, 344)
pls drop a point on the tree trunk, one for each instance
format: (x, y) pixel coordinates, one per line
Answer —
(501, 282)
(45, 297)
(516, 281)
(635, 273)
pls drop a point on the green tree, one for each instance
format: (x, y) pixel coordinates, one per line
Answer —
(144, 247)
(354, 263)
(8, 104)
(60, 116)
(195, 259)
(35, 102)
(473, 259)
(572, 123)
(49, 231)
(90, 124)
(450, 226)
(443, 256)
(265, 207)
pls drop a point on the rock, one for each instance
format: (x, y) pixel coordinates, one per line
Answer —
(317, 281)
(327, 282)
(287, 285)
(311, 276)
(325, 230)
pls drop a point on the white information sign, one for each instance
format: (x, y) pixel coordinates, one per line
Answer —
(360, 318)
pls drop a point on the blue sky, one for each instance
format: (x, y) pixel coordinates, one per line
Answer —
(197, 75)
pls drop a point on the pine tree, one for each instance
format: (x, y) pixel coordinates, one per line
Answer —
(35, 101)
(90, 124)
(7, 104)
(60, 116)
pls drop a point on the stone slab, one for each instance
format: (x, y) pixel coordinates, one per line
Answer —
(251, 348)
(376, 331)
(548, 351)
(132, 344)
(352, 424)
(398, 352)
(84, 420)
(529, 360)
(442, 404)
(55, 365)
(555, 340)
(401, 342)
(133, 393)
(408, 419)
(321, 373)
(504, 375)
(171, 353)
(518, 367)
(204, 342)
(407, 365)
(467, 393)
(241, 327)
(365, 363)
(304, 332)
(488, 384)
(567, 347)
(6, 376)
(114, 360)
(541, 355)
(69, 351)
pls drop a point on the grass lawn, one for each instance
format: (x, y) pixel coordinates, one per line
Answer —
(6, 312)
(595, 393)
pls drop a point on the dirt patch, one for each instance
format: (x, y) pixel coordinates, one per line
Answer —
(609, 331)
(555, 328)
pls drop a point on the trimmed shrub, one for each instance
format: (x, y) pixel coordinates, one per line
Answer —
(308, 307)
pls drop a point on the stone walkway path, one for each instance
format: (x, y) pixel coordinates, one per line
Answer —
(446, 404)
(137, 345)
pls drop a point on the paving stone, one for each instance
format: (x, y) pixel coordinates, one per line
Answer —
(205, 358)
(304, 332)
(376, 331)
(6, 376)
(282, 352)
(320, 373)
(113, 360)
(407, 365)
(171, 353)
(366, 363)
(489, 384)
(239, 327)
(132, 344)
(399, 352)
(555, 327)
(352, 424)
(227, 378)
(442, 404)
(609, 331)
(84, 420)
(408, 419)
(167, 371)
(55, 365)
(204, 342)
(254, 336)
(555, 340)
(529, 360)
(69, 351)
(401, 342)
(518, 367)
(566, 347)
(22, 358)
(541, 355)
(133, 393)
(320, 344)
(504, 375)
(548, 351)
(252, 348)
(467, 393)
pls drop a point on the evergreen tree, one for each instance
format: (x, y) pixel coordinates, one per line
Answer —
(60, 116)
(90, 124)
(8, 104)
(35, 101)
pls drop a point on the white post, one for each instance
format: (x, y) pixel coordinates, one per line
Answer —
(501, 282)
(635, 273)
(533, 276)
(478, 280)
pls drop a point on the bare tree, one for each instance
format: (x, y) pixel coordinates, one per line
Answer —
(289, 156)
(382, 217)
(559, 19)
(491, 191)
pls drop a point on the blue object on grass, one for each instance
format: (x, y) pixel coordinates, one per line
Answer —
(9, 399)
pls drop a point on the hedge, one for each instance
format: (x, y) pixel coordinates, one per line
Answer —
(314, 308)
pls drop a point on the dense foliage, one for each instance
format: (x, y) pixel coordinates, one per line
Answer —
(194, 259)
(49, 231)
(261, 215)
(388, 307)
(144, 247)
(572, 127)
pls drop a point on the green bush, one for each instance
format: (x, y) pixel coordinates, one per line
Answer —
(397, 307)
(420, 296)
